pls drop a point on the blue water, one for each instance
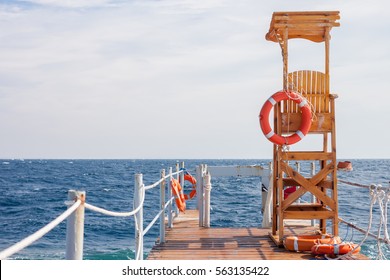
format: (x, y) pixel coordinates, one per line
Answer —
(34, 192)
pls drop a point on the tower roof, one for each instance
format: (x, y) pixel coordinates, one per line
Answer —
(311, 25)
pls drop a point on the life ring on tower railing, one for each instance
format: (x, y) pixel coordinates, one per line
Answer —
(266, 110)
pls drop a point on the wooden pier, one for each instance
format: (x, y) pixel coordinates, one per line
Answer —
(186, 240)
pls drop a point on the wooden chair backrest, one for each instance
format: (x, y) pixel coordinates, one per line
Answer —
(313, 85)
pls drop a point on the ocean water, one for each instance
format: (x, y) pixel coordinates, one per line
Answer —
(33, 193)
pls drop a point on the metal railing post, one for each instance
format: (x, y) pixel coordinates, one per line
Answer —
(170, 208)
(162, 205)
(139, 227)
(75, 228)
(207, 192)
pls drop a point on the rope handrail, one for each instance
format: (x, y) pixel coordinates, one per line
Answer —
(38, 234)
(353, 184)
(116, 214)
(364, 231)
(157, 216)
(133, 212)
(162, 179)
(363, 186)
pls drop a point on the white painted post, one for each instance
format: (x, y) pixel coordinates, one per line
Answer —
(182, 175)
(199, 192)
(181, 181)
(313, 198)
(162, 205)
(298, 166)
(75, 228)
(170, 220)
(207, 192)
(139, 224)
(264, 190)
(267, 215)
(177, 178)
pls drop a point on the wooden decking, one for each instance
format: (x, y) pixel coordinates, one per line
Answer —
(186, 240)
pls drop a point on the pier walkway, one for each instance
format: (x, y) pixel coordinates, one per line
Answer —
(186, 240)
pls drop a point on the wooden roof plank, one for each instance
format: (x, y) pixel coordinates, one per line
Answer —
(302, 24)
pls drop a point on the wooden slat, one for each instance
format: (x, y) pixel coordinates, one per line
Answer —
(313, 86)
(321, 123)
(306, 155)
(327, 184)
(307, 214)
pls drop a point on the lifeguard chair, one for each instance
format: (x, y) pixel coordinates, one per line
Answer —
(314, 86)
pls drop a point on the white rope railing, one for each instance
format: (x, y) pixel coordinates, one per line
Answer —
(116, 214)
(38, 234)
(157, 216)
(163, 179)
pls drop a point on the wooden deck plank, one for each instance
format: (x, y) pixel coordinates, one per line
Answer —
(187, 241)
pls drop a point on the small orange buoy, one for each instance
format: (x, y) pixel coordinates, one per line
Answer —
(306, 242)
(345, 166)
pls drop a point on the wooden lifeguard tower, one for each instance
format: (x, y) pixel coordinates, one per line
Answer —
(314, 86)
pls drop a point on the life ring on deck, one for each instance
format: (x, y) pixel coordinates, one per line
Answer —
(335, 249)
(178, 194)
(305, 123)
(192, 180)
(306, 242)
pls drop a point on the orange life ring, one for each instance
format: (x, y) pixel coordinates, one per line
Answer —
(178, 194)
(306, 242)
(192, 180)
(335, 249)
(265, 112)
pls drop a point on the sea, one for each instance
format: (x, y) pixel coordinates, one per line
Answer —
(34, 192)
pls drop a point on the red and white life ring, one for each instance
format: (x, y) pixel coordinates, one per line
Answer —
(305, 124)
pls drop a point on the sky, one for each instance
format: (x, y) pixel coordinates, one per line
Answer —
(178, 79)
